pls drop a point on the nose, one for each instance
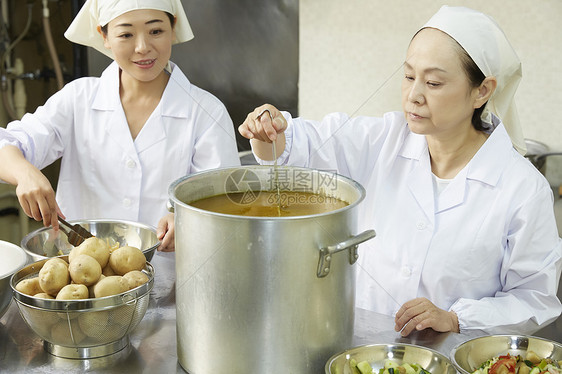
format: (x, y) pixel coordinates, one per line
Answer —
(141, 45)
(416, 94)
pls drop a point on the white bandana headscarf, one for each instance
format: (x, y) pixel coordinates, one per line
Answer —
(83, 29)
(484, 41)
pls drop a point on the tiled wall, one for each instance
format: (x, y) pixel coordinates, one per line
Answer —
(351, 54)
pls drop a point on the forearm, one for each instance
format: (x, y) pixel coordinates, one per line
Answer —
(13, 165)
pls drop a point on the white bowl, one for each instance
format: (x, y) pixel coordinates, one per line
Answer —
(13, 259)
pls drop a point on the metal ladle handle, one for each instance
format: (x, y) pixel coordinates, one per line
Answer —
(352, 243)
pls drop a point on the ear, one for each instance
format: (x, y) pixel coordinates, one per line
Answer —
(105, 43)
(485, 91)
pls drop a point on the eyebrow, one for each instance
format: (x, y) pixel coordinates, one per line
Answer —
(146, 23)
(427, 70)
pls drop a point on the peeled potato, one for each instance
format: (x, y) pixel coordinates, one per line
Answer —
(123, 315)
(84, 269)
(95, 247)
(41, 321)
(43, 295)
(60, 333)
(111, 285)
(126, 259)
(53, 276)
(73, 292)
(29, 286)
(58, 259)
(135, 278)
(107, 271)
(91, 288)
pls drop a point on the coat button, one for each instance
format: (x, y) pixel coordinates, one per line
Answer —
(406, 272)
(421, 225)
(131, 163)
(126, 202)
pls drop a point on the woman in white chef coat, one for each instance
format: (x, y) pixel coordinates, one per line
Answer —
(466, 234)
(125, 136)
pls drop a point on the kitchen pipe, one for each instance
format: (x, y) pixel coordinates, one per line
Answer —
(20, 97)
(5, 86)
(51, 45)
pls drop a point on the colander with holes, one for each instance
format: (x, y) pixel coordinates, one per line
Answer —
(85, 328)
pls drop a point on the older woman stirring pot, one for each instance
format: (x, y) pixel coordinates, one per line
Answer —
(466, 234)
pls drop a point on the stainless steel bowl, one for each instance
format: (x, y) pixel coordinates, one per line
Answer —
(468, 356)
(377, 354)
(85, 328)
(13, 259)
(44, 242)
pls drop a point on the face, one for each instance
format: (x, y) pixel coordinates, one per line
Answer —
(141, 42)
(437, 98)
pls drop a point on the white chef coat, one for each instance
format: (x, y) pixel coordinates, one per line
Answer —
(105, 174)
(486, 247)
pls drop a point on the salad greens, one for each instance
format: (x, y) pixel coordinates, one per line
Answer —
(390, 367)
(517, 364)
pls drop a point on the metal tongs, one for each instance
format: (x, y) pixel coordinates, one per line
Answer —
(76, 234)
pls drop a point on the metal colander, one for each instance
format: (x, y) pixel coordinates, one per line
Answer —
(84, 328)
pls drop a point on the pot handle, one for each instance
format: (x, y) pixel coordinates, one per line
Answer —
(170, 206)
(352, 243)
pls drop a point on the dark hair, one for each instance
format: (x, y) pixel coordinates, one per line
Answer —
(475, 77)
(170, 17)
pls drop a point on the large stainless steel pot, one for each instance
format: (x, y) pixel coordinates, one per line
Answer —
(260, 294)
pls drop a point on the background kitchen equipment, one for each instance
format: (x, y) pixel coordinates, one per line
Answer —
(85, 328)
(538, 153)
(468, 356)
(378, 354)
(44, 242)
(249, 298)
(13, 259)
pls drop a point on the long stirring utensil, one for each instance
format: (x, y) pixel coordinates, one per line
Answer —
(275, 174)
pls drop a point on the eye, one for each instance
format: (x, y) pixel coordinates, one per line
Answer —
(125, 35)
(408, 77)
(433, 84)
(156, 31)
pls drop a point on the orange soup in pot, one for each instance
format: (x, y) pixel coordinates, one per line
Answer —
(270, 204)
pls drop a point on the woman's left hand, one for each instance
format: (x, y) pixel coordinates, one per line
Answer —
(419, 314)
(165, 233)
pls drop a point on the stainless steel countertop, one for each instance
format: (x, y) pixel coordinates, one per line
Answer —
(152, 347)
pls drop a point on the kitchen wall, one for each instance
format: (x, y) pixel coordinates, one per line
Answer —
(351, 54)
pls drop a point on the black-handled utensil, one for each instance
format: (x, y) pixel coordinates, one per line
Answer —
(76, 234)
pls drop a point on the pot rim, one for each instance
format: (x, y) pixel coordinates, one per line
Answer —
(175, 201)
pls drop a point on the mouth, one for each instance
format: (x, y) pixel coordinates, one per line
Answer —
(414, 116)
(145, 63)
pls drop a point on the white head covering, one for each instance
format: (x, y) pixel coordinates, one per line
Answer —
(484, 41)
(83, 29)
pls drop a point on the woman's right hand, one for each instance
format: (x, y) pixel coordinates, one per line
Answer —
(263, 126)
(37, 197)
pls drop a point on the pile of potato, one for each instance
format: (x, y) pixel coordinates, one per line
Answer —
(93, 270)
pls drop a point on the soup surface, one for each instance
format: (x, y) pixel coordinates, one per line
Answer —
(267, 204)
